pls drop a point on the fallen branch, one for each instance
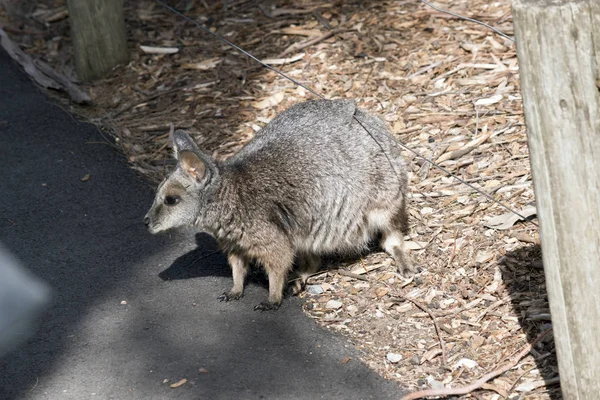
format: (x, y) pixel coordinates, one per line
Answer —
(41, 72)
(481, 381)
(25, 60)
(74, 92)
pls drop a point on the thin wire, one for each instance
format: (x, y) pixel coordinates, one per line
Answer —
(222, 39)
(444, 170)
(490, 197)
(499, 32)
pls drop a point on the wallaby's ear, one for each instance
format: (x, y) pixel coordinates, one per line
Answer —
(182, 142)
(192, 164)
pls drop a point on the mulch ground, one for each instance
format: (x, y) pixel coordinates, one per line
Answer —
(449, 90)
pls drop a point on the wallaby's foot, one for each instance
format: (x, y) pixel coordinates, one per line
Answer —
(296, 287)
(308, 264)
(403, 264)
(393, 244)
(277, 261)
(405, 268)
(267, 305)
(231, 295)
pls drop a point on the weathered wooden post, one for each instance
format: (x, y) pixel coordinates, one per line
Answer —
(558, 46)
(98, 32)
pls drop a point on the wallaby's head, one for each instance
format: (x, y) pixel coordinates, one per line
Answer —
(181, 197)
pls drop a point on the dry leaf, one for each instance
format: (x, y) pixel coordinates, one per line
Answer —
(345, 360)
(404, 307)
(430, 355)
(477, 341)
(483, 257)
(364, 268)
(385, 276)
(269, 101)
(203, 65)
(465, 362)
(414, 245)
(496, 389)
(467, 148)
(489, 101)
(299, 31)
(529, 386)
(281, 61)
(381, 291)
(57, 16)
(523, 237)
(505, 221)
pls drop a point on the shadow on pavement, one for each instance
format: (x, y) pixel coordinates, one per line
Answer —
(194, 263)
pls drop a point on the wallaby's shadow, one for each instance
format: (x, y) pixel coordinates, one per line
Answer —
(206, 260)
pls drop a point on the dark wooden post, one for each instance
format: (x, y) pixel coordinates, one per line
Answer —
(558, 46)
(98, 32)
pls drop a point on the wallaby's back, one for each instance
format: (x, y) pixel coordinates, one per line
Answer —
(320, 176)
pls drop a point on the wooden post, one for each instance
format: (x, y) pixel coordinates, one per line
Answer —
(558, 46)
(98, 32)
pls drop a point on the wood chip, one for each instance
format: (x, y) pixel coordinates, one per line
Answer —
(178, 384)
(159, 50)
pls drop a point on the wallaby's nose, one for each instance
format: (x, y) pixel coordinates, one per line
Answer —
(147, 220)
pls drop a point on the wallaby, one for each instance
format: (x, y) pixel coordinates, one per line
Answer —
(312, 182)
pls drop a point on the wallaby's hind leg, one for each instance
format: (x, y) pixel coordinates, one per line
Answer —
(392, 241)
(239, 268)
(277, 261)
(308, 264)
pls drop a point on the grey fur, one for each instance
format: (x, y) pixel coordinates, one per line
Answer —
(312, 182)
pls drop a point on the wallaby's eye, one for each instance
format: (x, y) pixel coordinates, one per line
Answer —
(172, 200)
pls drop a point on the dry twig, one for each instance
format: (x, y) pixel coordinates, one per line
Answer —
(435, 323)
(351, 275)
(299, 46)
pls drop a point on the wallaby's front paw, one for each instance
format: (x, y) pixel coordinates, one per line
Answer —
(227, 296)
(267, 305)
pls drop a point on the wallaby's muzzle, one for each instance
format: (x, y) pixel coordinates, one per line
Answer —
(150, 222)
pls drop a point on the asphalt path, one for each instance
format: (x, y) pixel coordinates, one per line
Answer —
(131, 310)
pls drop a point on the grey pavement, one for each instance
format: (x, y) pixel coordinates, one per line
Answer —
(130, 309)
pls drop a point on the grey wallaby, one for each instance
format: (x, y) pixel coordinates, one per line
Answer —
(312, 182)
